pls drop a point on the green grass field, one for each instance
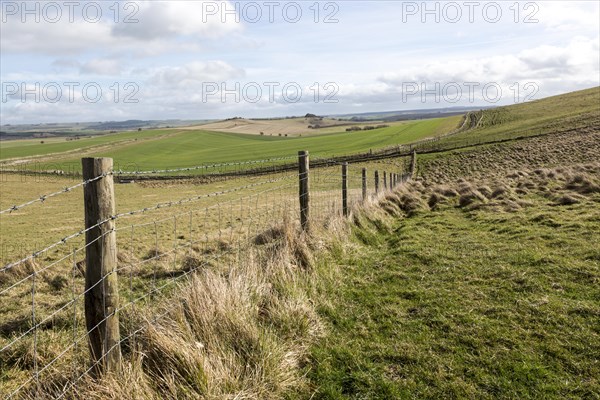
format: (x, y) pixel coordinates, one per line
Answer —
(34, 147)
(579, 109)
(179, 148)
(498, 298)
(171, 148)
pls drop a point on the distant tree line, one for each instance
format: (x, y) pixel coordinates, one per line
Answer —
(366, 128)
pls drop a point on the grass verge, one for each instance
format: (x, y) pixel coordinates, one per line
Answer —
(469, 290)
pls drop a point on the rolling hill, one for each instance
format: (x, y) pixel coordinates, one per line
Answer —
(183, 148)
(476, 279)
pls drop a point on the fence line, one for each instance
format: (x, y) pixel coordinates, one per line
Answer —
(201, 167)
(425, 146)
(134, 212)
(471, 122)
(202, 235)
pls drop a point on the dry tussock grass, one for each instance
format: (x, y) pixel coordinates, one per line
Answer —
(18, 272)
(241, 331)
(560, 186)
(535, 156)
(244, 333)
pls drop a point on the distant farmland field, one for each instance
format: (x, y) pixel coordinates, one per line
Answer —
(183, 148)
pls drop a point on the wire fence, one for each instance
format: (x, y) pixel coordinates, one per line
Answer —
(46, 332)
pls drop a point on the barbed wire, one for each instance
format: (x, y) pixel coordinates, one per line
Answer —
(45, 197)
(81, 295)
(234, 228)
(169, 309)
(204, 208)
(47, 267)
(64, 240)
(195, 198)
(164, 254)
(200, 167)
(83, 336)
(136, 212)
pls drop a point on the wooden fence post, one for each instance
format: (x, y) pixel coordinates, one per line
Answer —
(413, 163)
(385, 185)
(364, 184)
(101, 284)
(376, 182)
(345, 188)
(304, 170)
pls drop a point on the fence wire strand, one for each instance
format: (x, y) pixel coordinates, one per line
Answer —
(216, 233)
(45, 197)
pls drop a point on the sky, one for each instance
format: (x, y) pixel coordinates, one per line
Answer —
(85, 61)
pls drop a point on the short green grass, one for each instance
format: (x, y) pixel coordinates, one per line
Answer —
(457, 304)
(35, 147)
(184, 148)
(168, 148)
(579, 109)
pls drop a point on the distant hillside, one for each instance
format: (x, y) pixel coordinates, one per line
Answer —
(567, 112)
(405, 115)
(291, 126)
(27, 131)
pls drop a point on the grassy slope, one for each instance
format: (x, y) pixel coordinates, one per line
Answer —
(33, 147)
(549, 115)
(187, 148)
(488, 160)
(474, 303)
(290, 126)
(467, 303)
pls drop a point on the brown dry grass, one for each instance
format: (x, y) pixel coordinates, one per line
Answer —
(512, 158)
(241, 330)
(560, 186)
(286, 126)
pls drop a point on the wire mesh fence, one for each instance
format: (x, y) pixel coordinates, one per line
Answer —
(164, 232)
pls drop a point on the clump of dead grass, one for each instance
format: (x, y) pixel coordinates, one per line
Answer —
(561, 185)
(19, 271)
(240, 331)
(583, 183)
(469, 195)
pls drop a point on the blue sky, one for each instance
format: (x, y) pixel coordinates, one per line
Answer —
(370, 56)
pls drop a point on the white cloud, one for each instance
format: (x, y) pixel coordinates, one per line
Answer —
(63, 64)
(577, 62)
(171, 51)
(160, 19)
(53, 38)
(101, 67)
(162, 26)
(191, 76)
(569, 16)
